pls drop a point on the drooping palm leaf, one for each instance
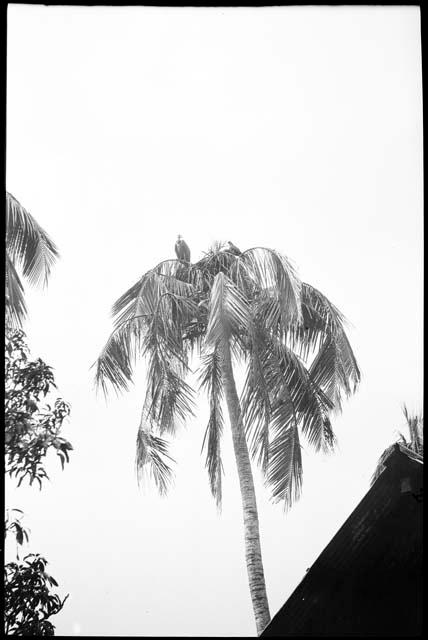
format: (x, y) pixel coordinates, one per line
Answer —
(285, 459)
(143, 297)
(211, 382)
(275, 376)
(168, 397)
(320, 320)
(256, 398)
(275, 277)
(114, 365)
(27, 244)
(228, 310)
(335, 370)
(149, 317)
(151, 457)
(126, 306)
(332, 319)
(334, 367)
(16, 309)
(311, 404)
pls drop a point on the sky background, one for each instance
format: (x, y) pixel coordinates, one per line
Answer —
(296, 128)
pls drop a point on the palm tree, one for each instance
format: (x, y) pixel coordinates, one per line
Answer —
(29, 249)
(415, 445)
(233, 307)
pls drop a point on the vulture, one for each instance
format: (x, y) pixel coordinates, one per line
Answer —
(232, 248)
(182, 250)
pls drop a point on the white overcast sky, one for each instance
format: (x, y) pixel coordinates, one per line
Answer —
(296, 128)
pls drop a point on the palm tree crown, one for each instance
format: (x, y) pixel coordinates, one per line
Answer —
(298, 360)
(29, 249)
(245, 307)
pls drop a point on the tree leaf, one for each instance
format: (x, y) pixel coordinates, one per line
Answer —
(28, 245)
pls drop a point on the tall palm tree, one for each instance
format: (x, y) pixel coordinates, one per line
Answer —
(227, 308)
(415, 444)
(29, 250)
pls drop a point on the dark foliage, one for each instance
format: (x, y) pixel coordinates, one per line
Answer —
(31, 427)
(29, 601)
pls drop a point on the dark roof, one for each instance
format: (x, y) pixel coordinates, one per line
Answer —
(367, 581)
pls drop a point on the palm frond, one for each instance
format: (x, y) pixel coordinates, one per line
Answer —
(151, 458)
(312, 406)
(276, 378)
(114, 365)
(126, 306)
(320, 320)
(211, 381)
(243, 277)
(16, 309)
(332, 319)
(228, 310)
(210, 375)
(211, 443)
(28, 245)
(214, 262)
(256, 399)
(415, 426)
(153, 314)
(335, 369)
(140, 300)
(179, 279)
(279, 285)
(168, 397)
(285, 472)
(193, 338)
(146, 296)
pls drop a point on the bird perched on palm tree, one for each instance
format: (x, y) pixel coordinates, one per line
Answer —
(232, 248)
(29, 250)
(226, 308)
(182, 250)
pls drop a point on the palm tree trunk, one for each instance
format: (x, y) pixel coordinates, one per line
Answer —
(253, 554)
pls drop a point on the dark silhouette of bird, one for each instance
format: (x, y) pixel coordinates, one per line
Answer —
(232, 248)
(182, 250)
